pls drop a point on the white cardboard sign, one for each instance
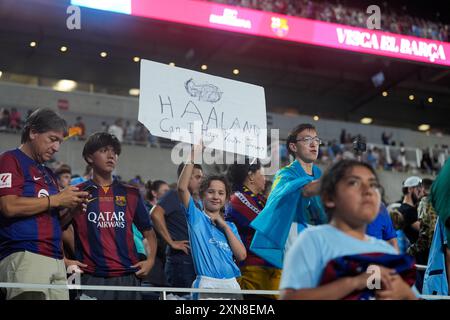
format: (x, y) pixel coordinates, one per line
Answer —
(189, 106)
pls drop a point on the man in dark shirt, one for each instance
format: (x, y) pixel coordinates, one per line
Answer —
(413, 191)
(169, 221)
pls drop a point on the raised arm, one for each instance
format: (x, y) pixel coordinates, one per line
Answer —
(185, 176)
(183, 184)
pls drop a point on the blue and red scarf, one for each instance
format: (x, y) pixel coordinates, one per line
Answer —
(243, 208)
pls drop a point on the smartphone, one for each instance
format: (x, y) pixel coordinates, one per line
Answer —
(89, 188)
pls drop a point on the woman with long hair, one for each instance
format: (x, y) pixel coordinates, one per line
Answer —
(246, 202)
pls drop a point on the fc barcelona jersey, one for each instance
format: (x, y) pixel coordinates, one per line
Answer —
(104, 235)
(21, 176)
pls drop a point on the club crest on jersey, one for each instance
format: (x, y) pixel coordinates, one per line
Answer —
(43, 193)
(121, 201)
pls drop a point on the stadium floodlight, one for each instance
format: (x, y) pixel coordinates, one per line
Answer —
(65, 85)
(63, 49)
(172, 64)
(411, 97)
(316, 118)
(134, 92)
(430, 100)
(385, 93)
(424, 127)
(236, 71)
(136, 59)
(366, 120)
(103, 54)
(33, 44)
(204, 67)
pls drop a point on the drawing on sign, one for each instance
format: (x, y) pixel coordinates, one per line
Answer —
(204, 92)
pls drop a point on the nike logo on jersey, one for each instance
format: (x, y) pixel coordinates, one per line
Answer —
(36, 178)
(91, 199)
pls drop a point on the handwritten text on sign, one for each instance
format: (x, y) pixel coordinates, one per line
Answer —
(187, 106)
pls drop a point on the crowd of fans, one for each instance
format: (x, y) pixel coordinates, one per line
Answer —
(343, 149)
(10, 120)
(310, 235)
(217, 231)
(129, 132)
(392, 21)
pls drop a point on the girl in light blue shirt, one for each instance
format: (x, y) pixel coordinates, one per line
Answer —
(350, 194)
(215, 243)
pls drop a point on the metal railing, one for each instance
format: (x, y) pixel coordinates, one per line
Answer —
(165, 290)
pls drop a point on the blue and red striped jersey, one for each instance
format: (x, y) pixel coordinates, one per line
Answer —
(104, 235)
(41, 233)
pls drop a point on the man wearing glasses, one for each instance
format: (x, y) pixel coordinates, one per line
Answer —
(30, 203)
(293, 203)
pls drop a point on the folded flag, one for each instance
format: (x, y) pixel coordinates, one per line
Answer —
(353, 265)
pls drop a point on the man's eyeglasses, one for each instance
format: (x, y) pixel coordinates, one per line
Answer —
(309, 140)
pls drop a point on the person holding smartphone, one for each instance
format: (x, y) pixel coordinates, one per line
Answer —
(31, 204)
